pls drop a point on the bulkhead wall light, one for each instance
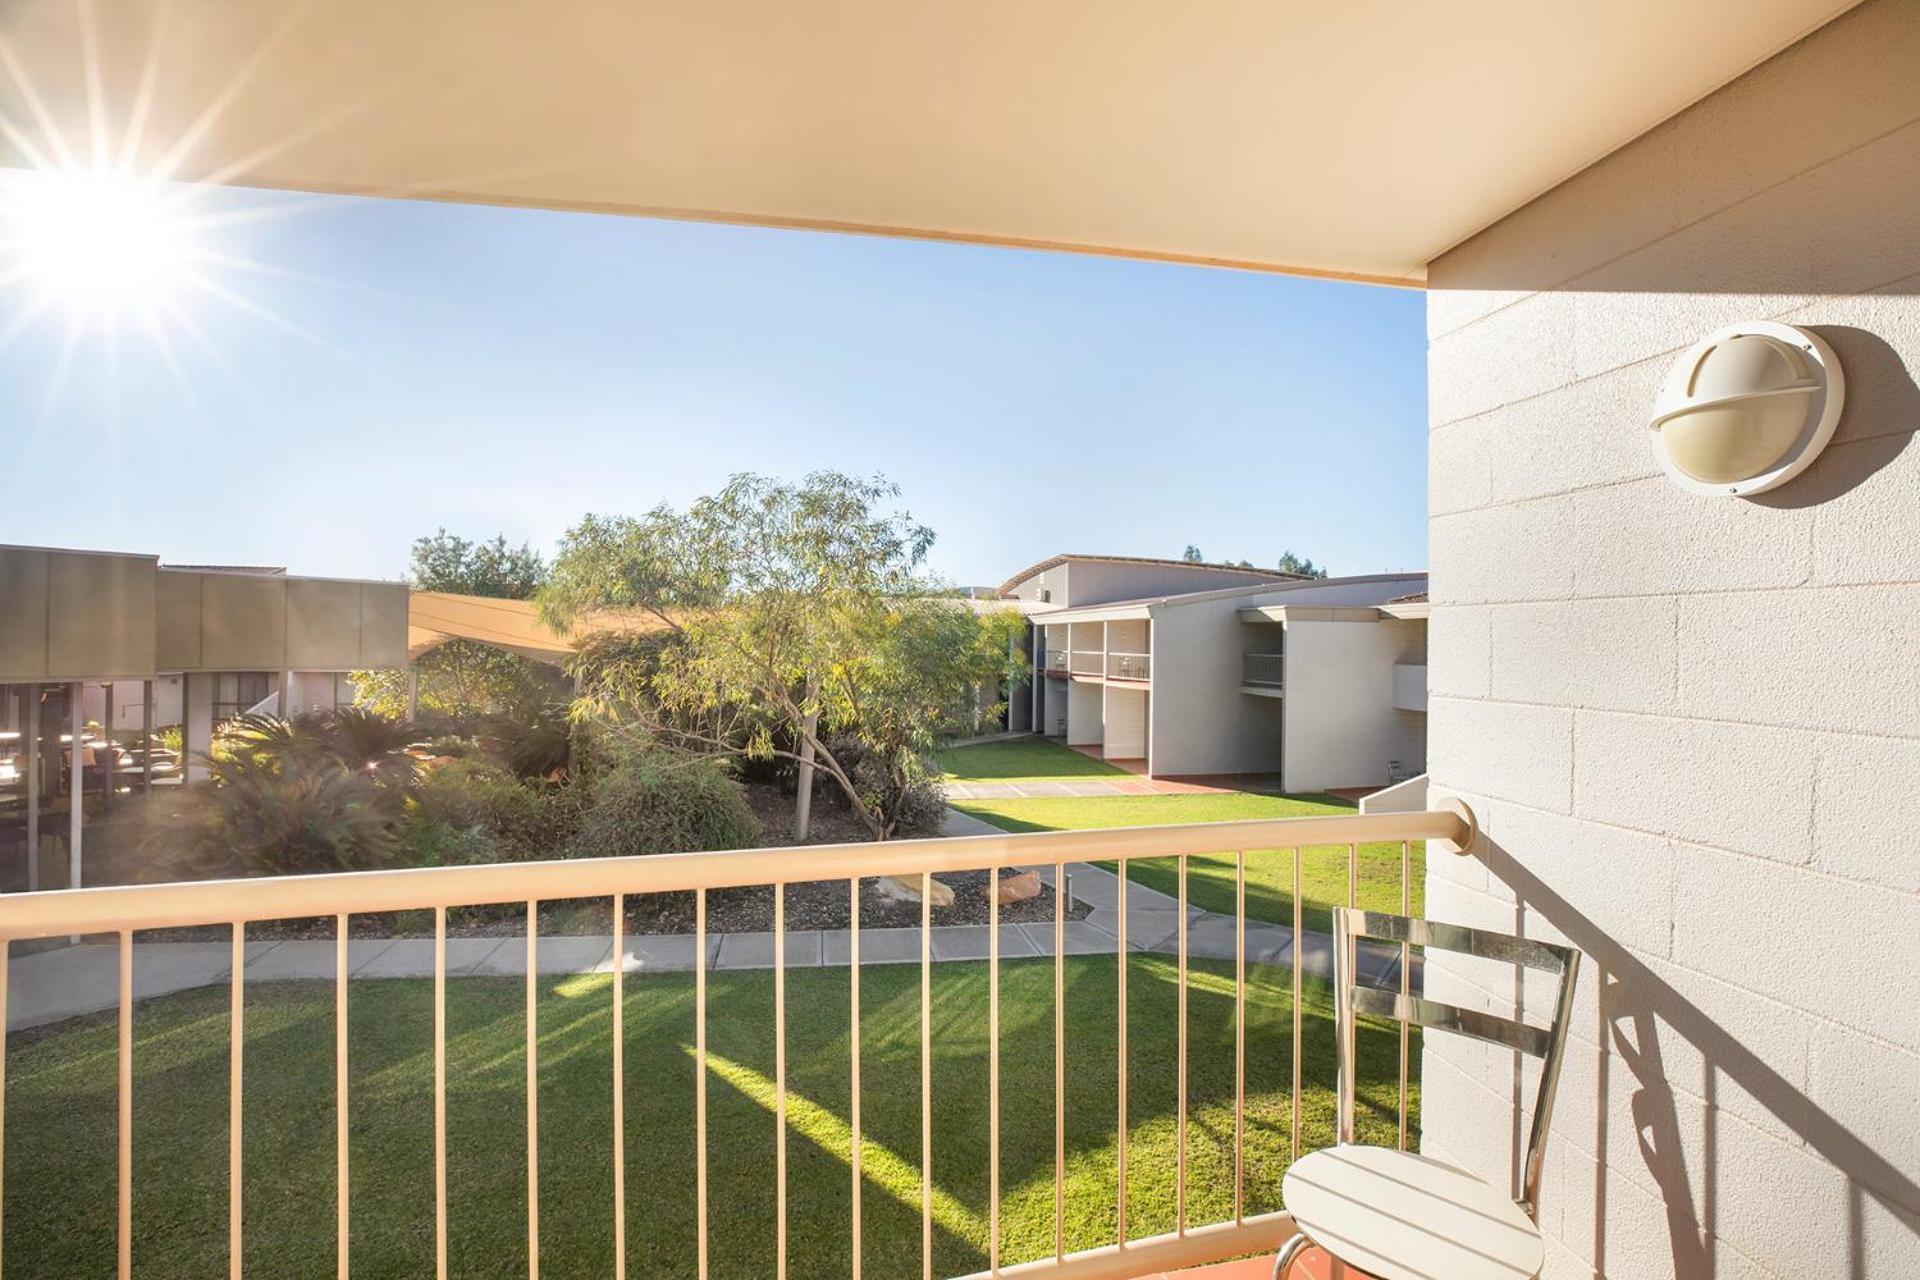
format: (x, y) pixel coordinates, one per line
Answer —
(1747, 409)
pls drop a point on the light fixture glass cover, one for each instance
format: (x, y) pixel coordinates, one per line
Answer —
(1747, 408)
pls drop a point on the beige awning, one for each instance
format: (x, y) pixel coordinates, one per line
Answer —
(1352, 139)
(435, 617)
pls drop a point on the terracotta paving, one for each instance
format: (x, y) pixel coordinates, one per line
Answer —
(1313, 1264)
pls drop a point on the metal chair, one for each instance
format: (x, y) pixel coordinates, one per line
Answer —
(1396, 1215)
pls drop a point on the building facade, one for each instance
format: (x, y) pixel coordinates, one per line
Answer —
(100, 651)
(1192, 669)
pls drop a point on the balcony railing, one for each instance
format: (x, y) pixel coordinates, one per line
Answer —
(234, 904)
(1086, 664)
(1129, 666)
(1267, 670)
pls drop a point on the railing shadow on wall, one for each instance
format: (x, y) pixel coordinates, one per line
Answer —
(1635, 1004)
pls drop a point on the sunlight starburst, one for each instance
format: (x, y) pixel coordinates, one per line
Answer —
(96, 243)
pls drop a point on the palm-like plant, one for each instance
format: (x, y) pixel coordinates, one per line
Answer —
(308, 823)
(325, 791)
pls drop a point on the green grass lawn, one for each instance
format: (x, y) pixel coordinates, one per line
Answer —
(60, 1180)
(1210, 880)
(1021, 760)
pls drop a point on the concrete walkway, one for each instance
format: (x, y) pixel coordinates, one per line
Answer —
(52, 985)
(63, 983)
(1112, 785)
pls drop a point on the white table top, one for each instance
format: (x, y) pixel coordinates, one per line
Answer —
(1403, 1216)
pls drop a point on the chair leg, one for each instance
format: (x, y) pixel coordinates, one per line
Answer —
(1288, 1252)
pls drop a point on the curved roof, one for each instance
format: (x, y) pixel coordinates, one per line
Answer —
(1270, 575)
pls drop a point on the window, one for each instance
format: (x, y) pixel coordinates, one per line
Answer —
(237, 692)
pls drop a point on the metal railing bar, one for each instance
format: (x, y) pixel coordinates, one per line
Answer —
(620, 1086)
(236, 1057)
(533, 1089)
(1180, 1158)
(1298, 934)
(926, 1076)
(342, 1183)
(126, 1098)
(1240, 1035)
(1120, 974)
(1059, 1060)
(109, 909)
(5, 951)
(780, 1077)
(440, 1093)
(700, 1074)
(993, 1071)
(853, 1038)
(1406, 990)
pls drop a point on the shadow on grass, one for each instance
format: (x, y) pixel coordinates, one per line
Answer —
(60, 1188)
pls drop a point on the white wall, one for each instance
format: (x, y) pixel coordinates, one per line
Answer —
(1125, 734)
(129, 697)
(1338, 702)
(1083, 714)
(1053, 706)
(1202, 723)
(1127, 635)
(1691, 726)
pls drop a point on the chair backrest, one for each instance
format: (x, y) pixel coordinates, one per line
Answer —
(1352, 997)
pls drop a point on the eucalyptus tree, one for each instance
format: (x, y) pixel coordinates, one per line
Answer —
(796, 621)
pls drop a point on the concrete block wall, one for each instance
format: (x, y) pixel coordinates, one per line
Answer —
(1691, 726)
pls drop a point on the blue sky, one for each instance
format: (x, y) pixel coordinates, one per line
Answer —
(508, 370)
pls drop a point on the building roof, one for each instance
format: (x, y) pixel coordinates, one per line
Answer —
(1051, 561)
(1140, 607)
(258, 570)
(1418, 597)
(1319, 139)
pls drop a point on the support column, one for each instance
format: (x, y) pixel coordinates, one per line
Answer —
(106, 728)
(146, 738)
(286, 695)
(196, 724)
(76, 785)
(413, 690)
(33, 788)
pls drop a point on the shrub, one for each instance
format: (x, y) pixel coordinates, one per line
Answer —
(517, 819)
(429, 842)
(902, 787)
(657, 803)
(921, 808)
(536, 743)
(258, 822)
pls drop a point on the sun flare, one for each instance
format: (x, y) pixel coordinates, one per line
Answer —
(95, 242)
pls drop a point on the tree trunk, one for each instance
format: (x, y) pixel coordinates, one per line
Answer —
(803, 799)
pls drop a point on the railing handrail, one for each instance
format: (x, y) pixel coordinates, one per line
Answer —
(184, 903)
